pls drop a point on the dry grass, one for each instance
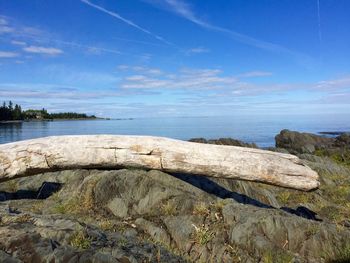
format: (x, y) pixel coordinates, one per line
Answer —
(80, 240)
(83, 204)
(201, 209)
(169, 208)
(202, 235)
(107, 225)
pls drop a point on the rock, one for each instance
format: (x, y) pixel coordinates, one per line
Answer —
(224, 141)
(180, 228)
(157, 234)
(118, 207)
(343, 140)
(296, 142)
(37, 239)
(106, 151)
(177, 218)
(4, 257)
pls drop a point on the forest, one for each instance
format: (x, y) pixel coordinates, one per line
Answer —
(11, 112)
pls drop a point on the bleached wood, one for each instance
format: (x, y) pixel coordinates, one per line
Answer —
(36, 156)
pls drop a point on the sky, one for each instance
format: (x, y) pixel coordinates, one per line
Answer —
(161, 58)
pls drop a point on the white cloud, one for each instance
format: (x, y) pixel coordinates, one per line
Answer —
(252, 74)
(8, 54)
(43, 50)
(185, 79)
(123, 67)
(90, 49)
(141, 69)
(198, 50)
(36, 35)
(59, 93)
(216, 84)
(3, 21)
(333, 84)
(18, 43)
(5, 29)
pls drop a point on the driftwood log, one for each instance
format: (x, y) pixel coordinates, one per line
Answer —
(36, 156)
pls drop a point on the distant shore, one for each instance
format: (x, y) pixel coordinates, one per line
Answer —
(45, 120)
(76, 119)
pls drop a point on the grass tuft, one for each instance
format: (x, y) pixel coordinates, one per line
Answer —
(80, 240)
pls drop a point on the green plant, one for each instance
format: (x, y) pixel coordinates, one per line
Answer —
(202, 235)
(219, 205)
(312, 230)
(169, 208)
(59, 208)
(283, 197)
(37, 207)
(234, 251)
(12, 186)
(201, 209)
(271, 256)
(106, 225)
(267, 257)
(80, 240)
(342, 255)
(122, 242)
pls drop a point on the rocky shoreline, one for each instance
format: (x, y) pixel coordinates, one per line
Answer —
(133, 215)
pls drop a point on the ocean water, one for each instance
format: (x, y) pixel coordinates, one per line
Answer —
(258, 129)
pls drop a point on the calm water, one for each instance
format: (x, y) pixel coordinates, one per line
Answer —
(260, 130)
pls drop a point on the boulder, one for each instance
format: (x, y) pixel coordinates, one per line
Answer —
(296, 142)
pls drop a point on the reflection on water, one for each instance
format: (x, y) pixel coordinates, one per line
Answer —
(10, 131)
(260, 130)
(16, 131)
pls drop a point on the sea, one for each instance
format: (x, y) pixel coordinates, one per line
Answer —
(258, 129)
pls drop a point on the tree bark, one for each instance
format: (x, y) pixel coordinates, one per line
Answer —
(36, 156)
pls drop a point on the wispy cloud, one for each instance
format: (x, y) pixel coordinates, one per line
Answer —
(215, 84)
(2, 21)
(34, 39)
(43, 50)
(197, 50)
(60, 93)
(4, 26)
(185, 79)
(253, 74)
(184, 10)
(8, 54)
(334, 84)
(141, 69)
(127, 21)
(139, 42)
(89, 48)
(18, 43)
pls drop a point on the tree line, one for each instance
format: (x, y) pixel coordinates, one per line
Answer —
(11, 112)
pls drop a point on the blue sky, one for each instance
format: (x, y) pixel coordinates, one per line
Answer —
(150, 58)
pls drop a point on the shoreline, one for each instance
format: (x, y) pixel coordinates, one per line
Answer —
(46, 120)
(78, 119)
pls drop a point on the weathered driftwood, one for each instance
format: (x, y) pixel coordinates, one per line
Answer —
(36, 156)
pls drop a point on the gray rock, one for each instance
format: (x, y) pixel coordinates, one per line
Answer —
(118, 207)
(158, 234)
(296, 142)
(233, 221)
